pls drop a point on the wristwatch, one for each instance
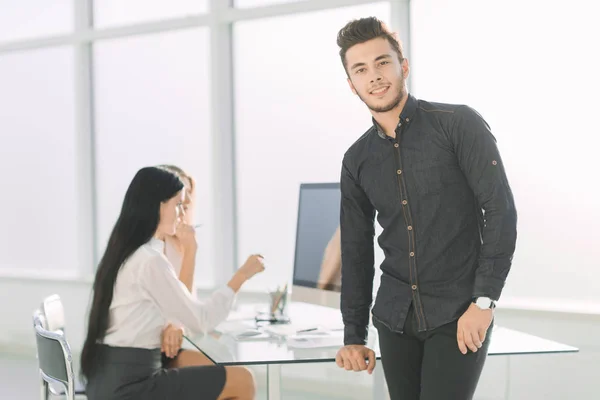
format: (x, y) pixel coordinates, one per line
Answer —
(484, 303)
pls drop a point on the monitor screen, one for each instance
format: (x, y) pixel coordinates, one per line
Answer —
(317, 262)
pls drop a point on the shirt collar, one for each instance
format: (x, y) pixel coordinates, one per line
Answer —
(407, 114)
(157, 244)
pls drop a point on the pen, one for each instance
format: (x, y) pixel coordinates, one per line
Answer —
(307, 330)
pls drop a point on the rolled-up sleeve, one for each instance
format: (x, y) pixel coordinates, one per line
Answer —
(480, 161)
(176, 303)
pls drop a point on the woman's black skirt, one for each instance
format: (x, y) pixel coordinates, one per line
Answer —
(131, 373)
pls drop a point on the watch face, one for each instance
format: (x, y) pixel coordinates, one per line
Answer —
(484, 303)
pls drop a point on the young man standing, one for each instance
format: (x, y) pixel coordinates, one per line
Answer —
(434, 175)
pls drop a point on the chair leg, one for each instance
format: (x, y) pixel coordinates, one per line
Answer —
(44, 390)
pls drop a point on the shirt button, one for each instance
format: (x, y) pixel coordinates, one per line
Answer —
(404, 202)
(414, 287)
(407, 119)
(412, 253)
(396, 145)
(410, 227)
(399, 171)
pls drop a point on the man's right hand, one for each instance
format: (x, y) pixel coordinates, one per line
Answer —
(353, 358)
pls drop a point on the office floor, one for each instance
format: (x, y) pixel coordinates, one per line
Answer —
(17, 377)
(18, 380)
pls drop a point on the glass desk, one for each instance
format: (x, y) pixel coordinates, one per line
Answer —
(275, 349)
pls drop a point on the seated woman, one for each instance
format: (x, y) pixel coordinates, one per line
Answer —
(184, 265)
(136, 291)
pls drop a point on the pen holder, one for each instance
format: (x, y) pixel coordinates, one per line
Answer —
(278, 302)
(276, 314)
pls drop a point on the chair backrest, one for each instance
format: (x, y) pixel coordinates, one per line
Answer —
(54, 355)
(54, 313)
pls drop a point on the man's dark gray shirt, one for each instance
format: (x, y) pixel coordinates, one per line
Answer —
(441, 195)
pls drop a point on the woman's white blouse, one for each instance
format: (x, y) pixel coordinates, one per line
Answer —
(148, 295)
(176, 260)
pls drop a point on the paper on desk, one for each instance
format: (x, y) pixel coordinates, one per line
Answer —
(245, 314)
(241, 336)
(287, 329)
(234, 327)
(312, 341)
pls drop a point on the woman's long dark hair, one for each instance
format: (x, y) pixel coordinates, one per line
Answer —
(135, 226)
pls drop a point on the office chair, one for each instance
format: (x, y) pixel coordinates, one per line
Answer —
(54, 314)
(53, 351)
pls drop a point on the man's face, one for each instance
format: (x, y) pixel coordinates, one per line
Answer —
(376, 74)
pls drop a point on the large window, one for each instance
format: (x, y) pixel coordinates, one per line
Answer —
(260, 3)
(532, 75)
(152, 107)
(97, 103)
(23, 19)
(38, 162)
(295, 116)
(119, 12)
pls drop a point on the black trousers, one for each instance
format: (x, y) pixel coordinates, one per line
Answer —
(429, 365)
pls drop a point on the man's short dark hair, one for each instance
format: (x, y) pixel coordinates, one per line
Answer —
(362, 30)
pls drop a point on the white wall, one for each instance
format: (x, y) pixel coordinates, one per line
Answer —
(20, 297)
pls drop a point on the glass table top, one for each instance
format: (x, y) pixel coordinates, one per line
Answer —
(315, 335)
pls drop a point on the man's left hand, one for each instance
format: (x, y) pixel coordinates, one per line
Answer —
(472, 328)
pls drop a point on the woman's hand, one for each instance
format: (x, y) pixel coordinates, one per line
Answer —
(186, 235)
(253, 265)
(171, 340)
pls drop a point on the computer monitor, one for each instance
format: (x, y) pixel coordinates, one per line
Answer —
(317, 260)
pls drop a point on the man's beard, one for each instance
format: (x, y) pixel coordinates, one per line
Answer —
(392, 104)
(388, 107)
